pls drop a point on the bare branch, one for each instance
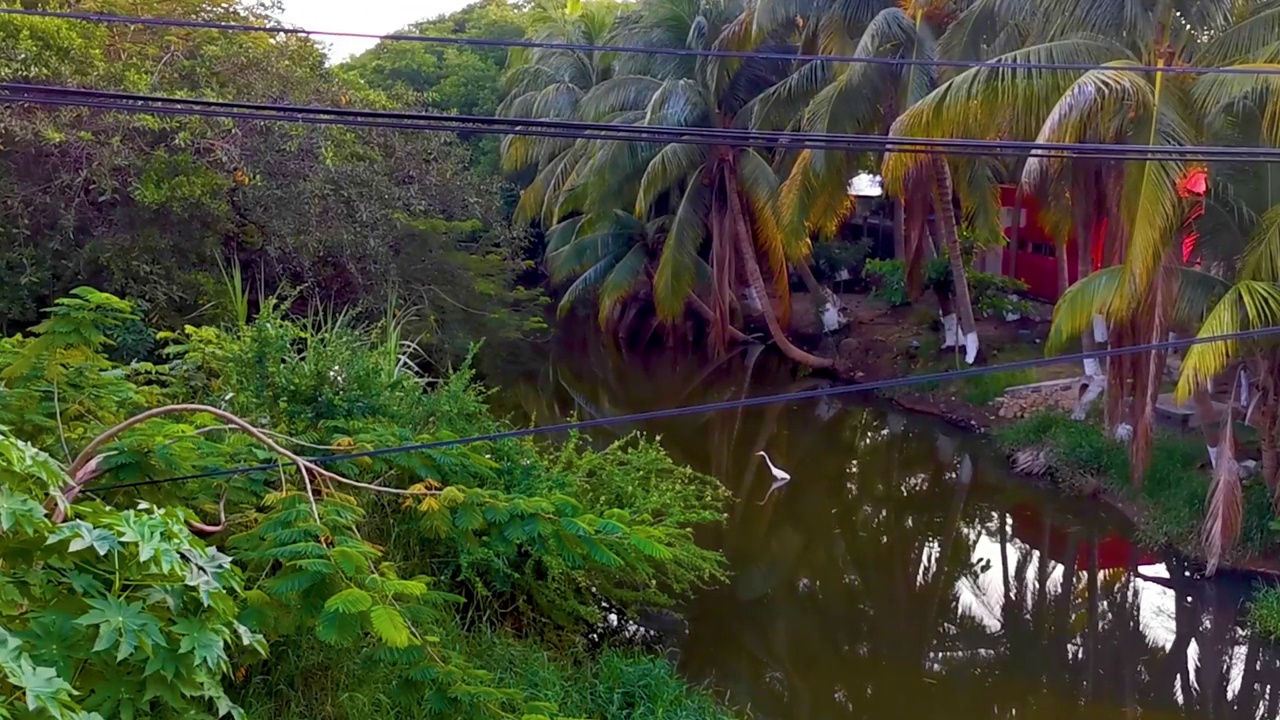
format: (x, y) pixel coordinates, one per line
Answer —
(86, 465)
(204, 530)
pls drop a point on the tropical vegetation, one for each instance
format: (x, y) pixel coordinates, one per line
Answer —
(711, 230)
(126, 595)
(220, 293)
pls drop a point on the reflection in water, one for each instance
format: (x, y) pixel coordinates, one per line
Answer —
(903, 573)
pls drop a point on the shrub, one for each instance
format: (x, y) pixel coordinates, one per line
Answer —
(831, 257)
(992, 295)
(516, 535)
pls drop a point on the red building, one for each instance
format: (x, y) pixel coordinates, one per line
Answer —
(1036, 264)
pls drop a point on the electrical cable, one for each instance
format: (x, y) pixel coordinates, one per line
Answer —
(142, 103)
(880, 385)
(626, 49)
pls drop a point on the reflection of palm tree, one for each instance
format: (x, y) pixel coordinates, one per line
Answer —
(877, 592)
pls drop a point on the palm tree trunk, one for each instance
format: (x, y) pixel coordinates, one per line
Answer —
(828, 303)
(747, 251)
(943, 198)
(1208, 422)
(1083, 232)
(705, 312)
(1268, 424)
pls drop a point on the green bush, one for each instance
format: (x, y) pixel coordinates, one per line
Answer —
(829, 258)
(993, 295)
(513, 538)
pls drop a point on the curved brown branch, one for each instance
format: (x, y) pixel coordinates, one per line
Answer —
(85, 467)
(204, 530)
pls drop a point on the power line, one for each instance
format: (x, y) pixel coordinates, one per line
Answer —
(625, 49)
(162, 104)
(880, 385)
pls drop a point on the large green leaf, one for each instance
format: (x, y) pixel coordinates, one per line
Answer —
(1249, 305)
(677, 267)
(671, 167)
(627, 277)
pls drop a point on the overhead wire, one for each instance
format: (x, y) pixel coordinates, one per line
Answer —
(622, 49)
(127, 102)
(787, 397)
(548, 127)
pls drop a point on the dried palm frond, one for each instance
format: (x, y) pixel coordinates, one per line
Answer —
(1225, 513)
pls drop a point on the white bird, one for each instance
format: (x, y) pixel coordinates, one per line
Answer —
(780, 477)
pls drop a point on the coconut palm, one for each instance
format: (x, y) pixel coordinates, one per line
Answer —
(1112, 104)
(724, 233)
(549, 83)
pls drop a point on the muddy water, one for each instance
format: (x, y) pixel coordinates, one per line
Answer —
(903, 573)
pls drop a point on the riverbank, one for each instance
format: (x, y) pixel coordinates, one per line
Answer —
(1041, 440)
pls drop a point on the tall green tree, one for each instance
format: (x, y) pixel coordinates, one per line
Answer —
(725, 237)
(149, 206)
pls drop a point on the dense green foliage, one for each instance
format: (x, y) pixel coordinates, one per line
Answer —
(119, 609)
(993, 295)
(149, 206)
(1172, 492)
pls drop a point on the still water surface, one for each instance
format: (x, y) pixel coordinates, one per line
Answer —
(903, 572)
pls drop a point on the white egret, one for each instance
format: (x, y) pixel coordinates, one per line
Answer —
(780, 477)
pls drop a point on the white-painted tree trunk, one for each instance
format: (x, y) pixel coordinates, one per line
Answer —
(971, 347)
(950, 331)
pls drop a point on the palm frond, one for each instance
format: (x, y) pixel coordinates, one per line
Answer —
(600, 235)
(983, 29)
(588, 281)
(1243, 40)
(1261, 260)
(818, 203)
(677, 269)
(990, 102)
(678, 103)
(619, 93)
(535, 194)
(673, 165)
(1074, 312)
(1219, 96)
(779, 239)
(1096, 107)
(1224, 516)
(1154, 213)
(777, 107)
(1248, 305)
(561, 234)
(627, 278)
(1198, 292)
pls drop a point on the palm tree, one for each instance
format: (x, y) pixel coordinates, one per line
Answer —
(1111, 104)
(723, 230)
(550, 83)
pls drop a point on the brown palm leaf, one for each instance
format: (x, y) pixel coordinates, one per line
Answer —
(1223, 520)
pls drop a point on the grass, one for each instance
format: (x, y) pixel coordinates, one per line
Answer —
(1264, 611)
(984, 389)
(975, 390)
(1173, 489)
(311, 681)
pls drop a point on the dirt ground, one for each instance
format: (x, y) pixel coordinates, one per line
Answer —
(883, 342)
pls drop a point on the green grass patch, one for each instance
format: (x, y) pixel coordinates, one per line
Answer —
(1264, 611)
(1173, 489)
(984, 389)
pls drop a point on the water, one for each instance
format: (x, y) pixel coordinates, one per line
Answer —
(903, 572)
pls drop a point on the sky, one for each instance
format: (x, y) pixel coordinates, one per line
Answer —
(365, 16)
